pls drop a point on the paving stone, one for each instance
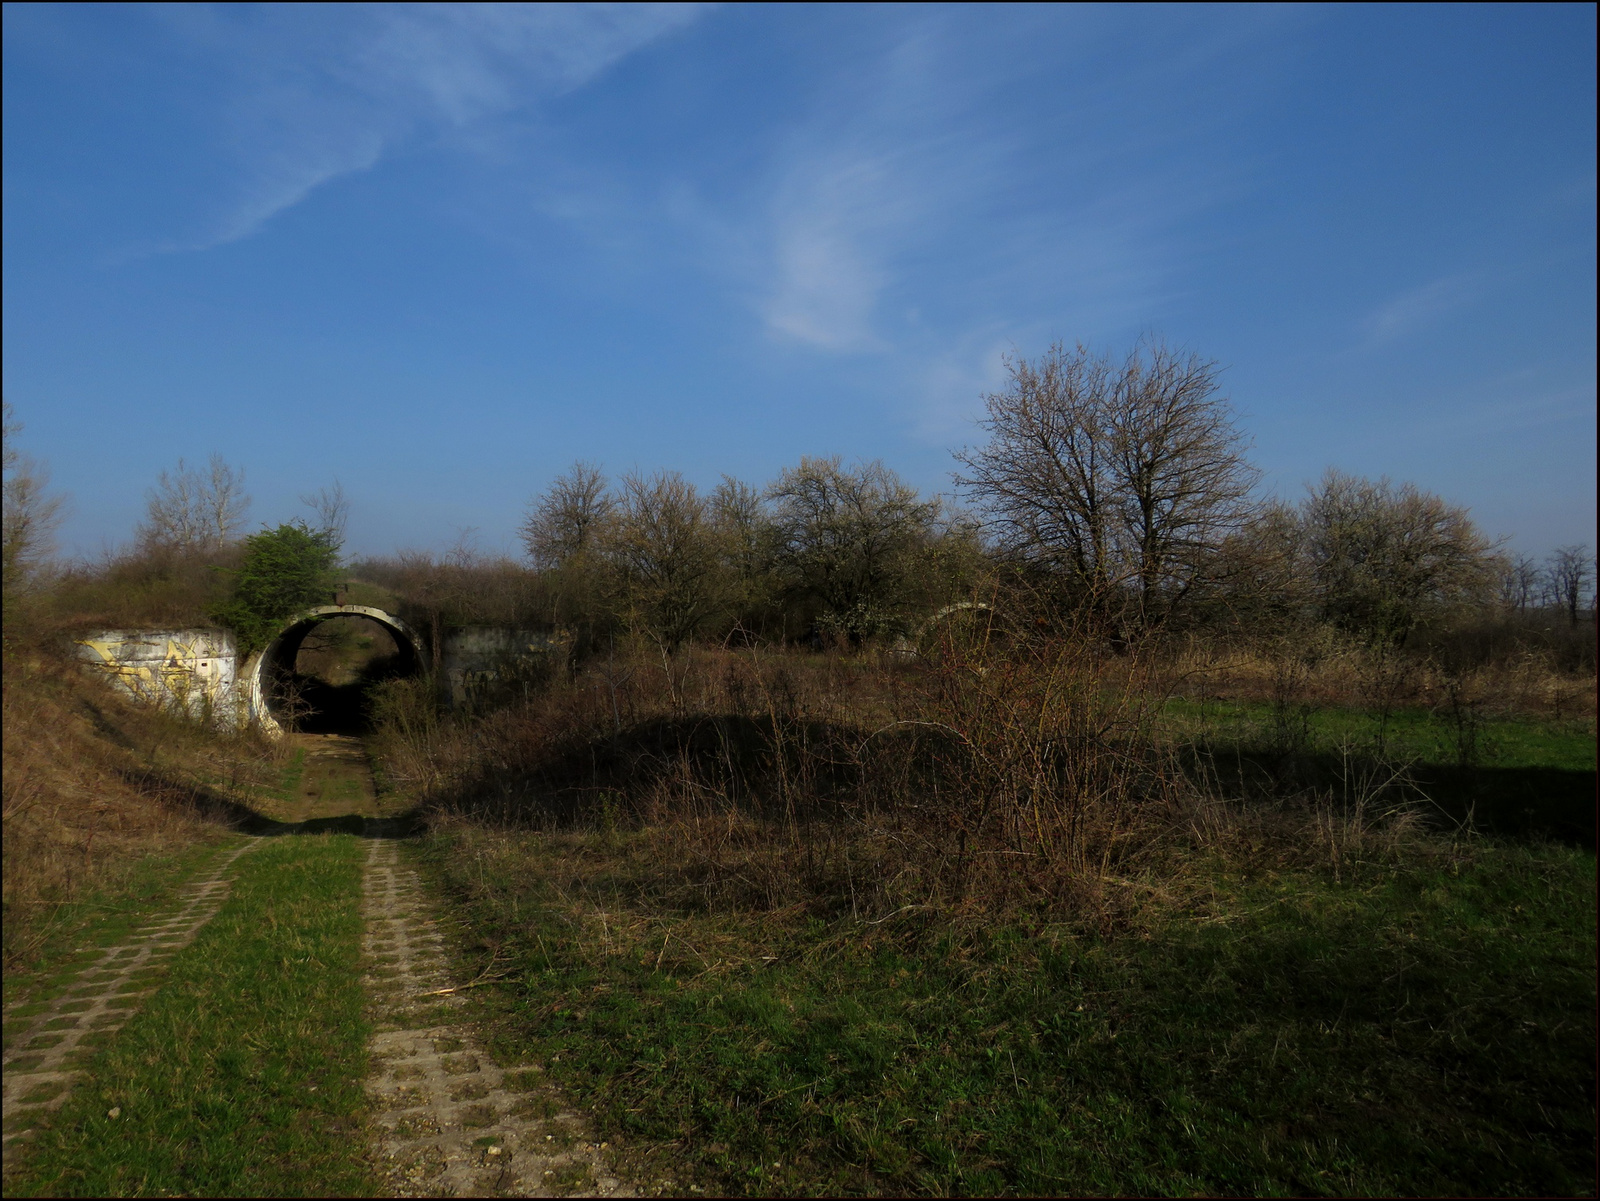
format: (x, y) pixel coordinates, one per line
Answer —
(94, 1002)
(447, 1122)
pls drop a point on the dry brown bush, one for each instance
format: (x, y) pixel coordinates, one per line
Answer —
(159, 589)
(1322, 669)
(1000, 769)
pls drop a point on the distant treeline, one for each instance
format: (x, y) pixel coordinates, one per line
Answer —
(1117, 489)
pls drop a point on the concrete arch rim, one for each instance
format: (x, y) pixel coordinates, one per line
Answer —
(256, 695)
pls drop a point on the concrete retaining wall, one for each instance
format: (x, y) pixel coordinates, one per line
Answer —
(197, 671)
(193, 671)
(484, 663)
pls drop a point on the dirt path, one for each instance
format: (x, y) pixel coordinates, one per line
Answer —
(448, 1124)
(335, 781)
(48, 1043)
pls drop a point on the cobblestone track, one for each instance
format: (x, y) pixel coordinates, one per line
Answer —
(447, 1125)
(49, 1048)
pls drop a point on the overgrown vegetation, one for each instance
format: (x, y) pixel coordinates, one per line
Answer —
(1421, 1024)
(1017, 906)
(105, 802)
(282, 571)
(1129, 834)
(94, 787)
(1024, 911)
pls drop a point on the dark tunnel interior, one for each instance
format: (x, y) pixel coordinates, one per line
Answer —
(318, 676)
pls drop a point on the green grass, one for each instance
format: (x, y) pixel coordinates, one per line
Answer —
(290, 775)
(1425, 735)
(1426, 1029)
(77, 930)
(1512, 777)
(242, 1075)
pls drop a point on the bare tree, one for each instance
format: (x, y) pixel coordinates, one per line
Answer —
(662, 545)
(1382, 557)
(745, 538)
(192, 511)
(1568, 574)
(31, 515)
(563, 523)
(1045, 476)
(1519, 583)
(849, 538)
(1260, 578)
(1182, 479)
(1126, 477)
(332, 509)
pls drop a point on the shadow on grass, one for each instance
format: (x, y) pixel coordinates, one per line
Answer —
(1508, 802)
(1547, 802)
(734, 756)
(211, 805)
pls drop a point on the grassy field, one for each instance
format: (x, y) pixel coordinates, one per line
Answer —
(1046, 946)
(1418, 1027)
(101, 797)
(242, 1075)
(1511, 775)
(1426, 736)
(1299, 1001)
(78, 928)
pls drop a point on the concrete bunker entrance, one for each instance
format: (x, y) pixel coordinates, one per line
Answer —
(317, 676)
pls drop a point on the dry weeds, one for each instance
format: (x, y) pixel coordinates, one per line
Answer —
(996, 771)
(93, 785)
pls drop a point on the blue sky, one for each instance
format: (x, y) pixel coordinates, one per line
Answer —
(441, 252)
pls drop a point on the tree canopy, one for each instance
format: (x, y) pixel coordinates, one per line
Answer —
(284, 571)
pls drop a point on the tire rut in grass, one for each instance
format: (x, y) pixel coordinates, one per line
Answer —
(47, 1049)
(448, 1123)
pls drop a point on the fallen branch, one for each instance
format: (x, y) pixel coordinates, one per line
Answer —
(482, 977)
(439, 992)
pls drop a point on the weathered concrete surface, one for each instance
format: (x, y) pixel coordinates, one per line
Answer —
(479, 662)
(198, 671)
(279, 654)
(193, 671)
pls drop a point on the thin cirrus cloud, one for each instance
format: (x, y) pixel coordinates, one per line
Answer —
(321, 100)
(1418, 307)
(828, 245)
(865, 176)
(915, 184)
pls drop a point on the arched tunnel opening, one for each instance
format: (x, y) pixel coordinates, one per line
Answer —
(319, 676)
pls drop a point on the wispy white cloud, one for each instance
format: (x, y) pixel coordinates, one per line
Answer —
(860, 179)
(1517, 409)
(319, 97)
(915, 176)
(829, 228)
(899, 172)
(950, 386)
(1415, 308)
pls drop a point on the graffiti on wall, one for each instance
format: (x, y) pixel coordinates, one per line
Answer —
(189, 670)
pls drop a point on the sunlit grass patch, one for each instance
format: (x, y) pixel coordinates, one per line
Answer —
(243, 1074)
(1422, 735)
(80, 928)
